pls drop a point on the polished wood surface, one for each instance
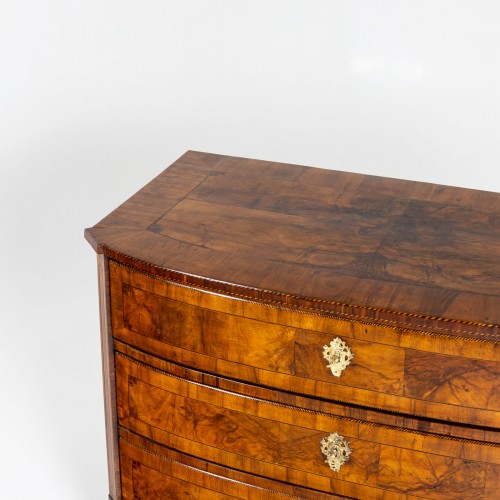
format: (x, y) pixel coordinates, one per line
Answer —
(109, 380)
(398, 252)
(402, 421)
(152, 471)
(282, 442)
(221, 282)
(406, 372)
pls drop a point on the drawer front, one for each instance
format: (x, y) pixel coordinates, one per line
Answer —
(283, 442)
(449, 379)
(150, 471)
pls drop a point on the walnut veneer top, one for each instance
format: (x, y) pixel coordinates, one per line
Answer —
(401, 253)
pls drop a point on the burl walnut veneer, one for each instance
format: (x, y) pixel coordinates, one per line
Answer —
(273, 330)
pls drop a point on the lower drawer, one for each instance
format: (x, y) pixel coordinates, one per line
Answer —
(150, 471)
(282, 442)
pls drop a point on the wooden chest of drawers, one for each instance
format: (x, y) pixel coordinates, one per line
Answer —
(275, 330)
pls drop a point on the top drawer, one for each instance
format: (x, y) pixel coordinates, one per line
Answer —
(410, 372)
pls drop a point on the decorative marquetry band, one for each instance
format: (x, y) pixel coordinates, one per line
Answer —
(336, 450)
(338, 354)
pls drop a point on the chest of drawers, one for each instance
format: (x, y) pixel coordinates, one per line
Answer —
(274, 330)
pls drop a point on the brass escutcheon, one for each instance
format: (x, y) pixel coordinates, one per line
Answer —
(338, 354)
(336, 450)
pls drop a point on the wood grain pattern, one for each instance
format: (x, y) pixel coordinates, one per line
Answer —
(208, 332)
(220, 283)
(283, 442)
(151, 470)
(464, 382)
(149, 484)
(347, 239)
(255, 343)
(301, 318)
(444, 428)
(431, 476)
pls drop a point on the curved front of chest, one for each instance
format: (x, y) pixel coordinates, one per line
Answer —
(150, 471)
(433, 376)
(272, 330)
(283, 443)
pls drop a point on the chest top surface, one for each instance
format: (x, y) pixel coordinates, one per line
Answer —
(413, 254)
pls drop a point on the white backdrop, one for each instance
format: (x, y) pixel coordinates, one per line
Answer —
(97, 97)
